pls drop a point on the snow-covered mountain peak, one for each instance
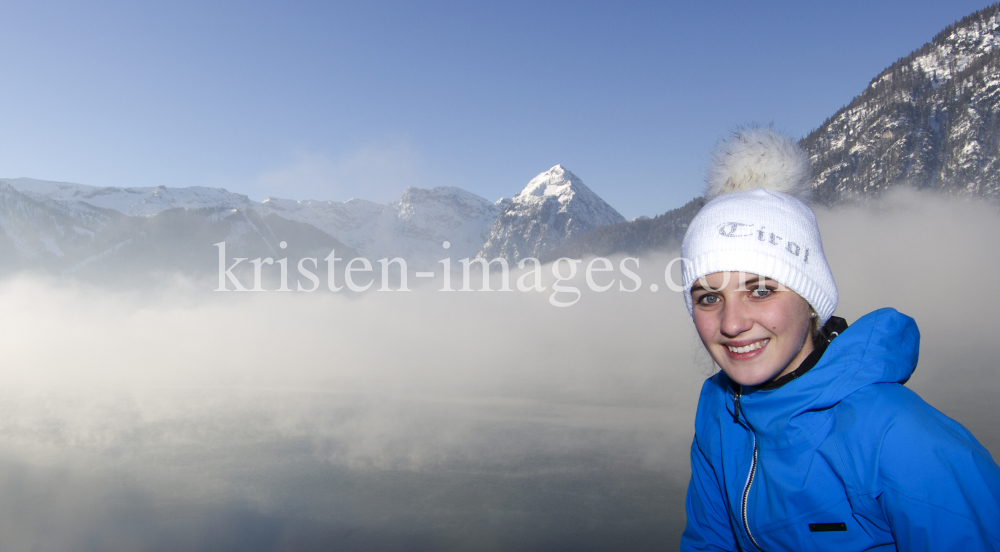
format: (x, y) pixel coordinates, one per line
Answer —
(557, 181)
(553, 207)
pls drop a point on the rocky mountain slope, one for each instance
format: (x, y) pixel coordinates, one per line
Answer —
(554, 207)
(931, 120)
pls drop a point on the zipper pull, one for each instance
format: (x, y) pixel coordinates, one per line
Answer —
(736, 410)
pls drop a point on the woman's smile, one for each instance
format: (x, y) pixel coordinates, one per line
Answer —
(755, 329)
(743, 352)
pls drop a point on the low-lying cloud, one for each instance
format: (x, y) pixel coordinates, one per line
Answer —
(183, 418)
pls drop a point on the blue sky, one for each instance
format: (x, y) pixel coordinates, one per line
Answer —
(330, 100)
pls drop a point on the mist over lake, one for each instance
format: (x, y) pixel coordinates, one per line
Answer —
(182, 419)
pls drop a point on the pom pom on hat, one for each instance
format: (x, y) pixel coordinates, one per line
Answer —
(758, 157)
(756, 220)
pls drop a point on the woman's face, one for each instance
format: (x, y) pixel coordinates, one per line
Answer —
(755, 328)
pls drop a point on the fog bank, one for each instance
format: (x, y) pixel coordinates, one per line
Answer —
(185, 419)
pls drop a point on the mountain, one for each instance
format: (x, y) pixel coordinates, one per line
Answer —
(70, 237)
(108, 234)
(635, 237)
(37, 232)
(182, 241)
(931, 120)
(93, 232)
(415, 227)
(132, 202)
(554, 207)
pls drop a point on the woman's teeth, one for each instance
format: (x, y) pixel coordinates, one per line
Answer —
(748, 348)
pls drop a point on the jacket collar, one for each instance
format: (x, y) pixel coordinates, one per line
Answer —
(833, 327)
(881, 347)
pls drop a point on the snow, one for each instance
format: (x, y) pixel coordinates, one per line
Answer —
(563, 186)
(144, 202)
(413, 227)
(970, 148)
(83, 232)
(555, 182)
(51, 247)
(554, 207)
(962, 47)
(934, 123)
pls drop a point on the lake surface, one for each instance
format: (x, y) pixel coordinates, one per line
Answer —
(219, 469)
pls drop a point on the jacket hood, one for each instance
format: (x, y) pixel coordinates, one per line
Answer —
(881, 347)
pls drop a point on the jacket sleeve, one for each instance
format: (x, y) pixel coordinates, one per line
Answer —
(940, 487)
(708, 526)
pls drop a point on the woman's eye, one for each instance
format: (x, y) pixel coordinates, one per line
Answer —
(708, 299)
(760, 293)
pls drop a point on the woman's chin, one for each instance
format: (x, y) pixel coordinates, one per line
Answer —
(749, 380)
(749, 374)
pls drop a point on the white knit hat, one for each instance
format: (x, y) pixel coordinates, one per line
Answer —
(757, 222)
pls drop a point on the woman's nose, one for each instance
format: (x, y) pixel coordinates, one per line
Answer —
(735, 318)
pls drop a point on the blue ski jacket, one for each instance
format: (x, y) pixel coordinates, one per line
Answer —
(841, 458)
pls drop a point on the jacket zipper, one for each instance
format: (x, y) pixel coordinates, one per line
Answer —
(753, 469)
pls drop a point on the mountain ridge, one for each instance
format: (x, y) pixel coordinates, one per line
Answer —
(90, 231)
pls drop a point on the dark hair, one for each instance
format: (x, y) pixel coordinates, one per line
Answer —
(816, 327)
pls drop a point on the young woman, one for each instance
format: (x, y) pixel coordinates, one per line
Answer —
(807, 439)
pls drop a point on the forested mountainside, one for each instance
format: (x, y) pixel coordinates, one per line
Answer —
(633, 237)
(930, 120)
